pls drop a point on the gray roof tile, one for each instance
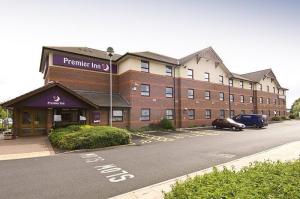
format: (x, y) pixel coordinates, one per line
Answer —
(103, 99)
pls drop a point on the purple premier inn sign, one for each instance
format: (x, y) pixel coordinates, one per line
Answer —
(54, 97)
(75, 62)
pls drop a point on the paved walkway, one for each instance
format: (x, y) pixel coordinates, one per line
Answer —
(285, 152)
(25, 147)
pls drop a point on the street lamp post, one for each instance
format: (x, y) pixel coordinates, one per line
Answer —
(110, 53)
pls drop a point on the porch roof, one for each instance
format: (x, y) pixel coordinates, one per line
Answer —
(103, 99)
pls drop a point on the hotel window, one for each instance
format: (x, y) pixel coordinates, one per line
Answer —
(242, 98)
(268, 88)
(145, 114)
(169, 114)
(117, 115)
(243, 112)
(222, 113)
(169, 71)
(144, 66)
(207, 113)
(275, 101)
(251, 99)
(191, 93)
(231, 82)
(241, 84)
(262, 112)
(268, 100)
(231, 98)
(221, 96)
(251, 86)
(169, 92)
(145, 89)
(191, 114)
(269, 113)
(261, 100)
(190, 73)
(221, 79)
(274, 90)
(206, 77)
(207, 95)
(260, 86)
(232, 113)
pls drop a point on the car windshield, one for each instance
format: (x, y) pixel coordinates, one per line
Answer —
(230, 120)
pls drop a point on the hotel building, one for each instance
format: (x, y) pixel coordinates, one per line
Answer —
(190, 91)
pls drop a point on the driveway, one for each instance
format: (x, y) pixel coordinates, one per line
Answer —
(25, 147)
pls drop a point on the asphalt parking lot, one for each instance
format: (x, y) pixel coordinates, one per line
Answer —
(109, 172)
(140, 138)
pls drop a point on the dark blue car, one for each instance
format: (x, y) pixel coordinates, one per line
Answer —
(252, 120)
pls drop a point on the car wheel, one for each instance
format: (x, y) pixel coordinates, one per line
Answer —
(234, 128)
(214, 126)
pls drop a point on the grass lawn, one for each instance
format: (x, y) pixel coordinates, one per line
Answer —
(267, 180)
(88, 137)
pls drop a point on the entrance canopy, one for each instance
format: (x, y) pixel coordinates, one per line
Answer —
(55, 95)
(52, 95)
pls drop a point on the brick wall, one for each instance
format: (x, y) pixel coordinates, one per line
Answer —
(79, 79)
(129, 83)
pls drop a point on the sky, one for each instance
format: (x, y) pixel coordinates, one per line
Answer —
(247, 35)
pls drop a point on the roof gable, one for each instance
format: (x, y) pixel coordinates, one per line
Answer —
(50, 95)
(257, 76)
(207, 53)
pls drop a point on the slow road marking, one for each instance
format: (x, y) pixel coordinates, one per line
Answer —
(112, 172)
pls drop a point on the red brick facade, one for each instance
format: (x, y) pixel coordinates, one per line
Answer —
(128, 86)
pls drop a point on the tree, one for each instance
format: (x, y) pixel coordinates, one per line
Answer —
(2, 113)
(296, 108)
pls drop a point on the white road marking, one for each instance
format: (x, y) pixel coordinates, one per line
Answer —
(117, 174)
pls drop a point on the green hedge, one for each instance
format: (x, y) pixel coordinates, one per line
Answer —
(259, 180)
(166, 124)
(292, 116)
(275, 118)
(88, 137)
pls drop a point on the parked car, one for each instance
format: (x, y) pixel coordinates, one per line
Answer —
(252, 120)
(227, 123)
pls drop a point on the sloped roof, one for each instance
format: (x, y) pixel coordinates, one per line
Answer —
(103, 99)
(84, 51)
(238, 76)
(208, 53)
(20, 98)
(257, 75)
(261, 74)
(157, 56)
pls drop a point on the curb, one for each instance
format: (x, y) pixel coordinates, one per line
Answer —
(96, 149)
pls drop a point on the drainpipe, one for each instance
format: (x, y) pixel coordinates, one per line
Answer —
(174, 86)
(229, 104)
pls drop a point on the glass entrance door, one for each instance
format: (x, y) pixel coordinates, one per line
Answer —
(33, 122)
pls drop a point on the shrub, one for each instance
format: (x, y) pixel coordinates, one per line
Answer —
(259, 180)
(275, 118)
(292, 116)
(88, 137)
(283, 118)
(166, 124)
